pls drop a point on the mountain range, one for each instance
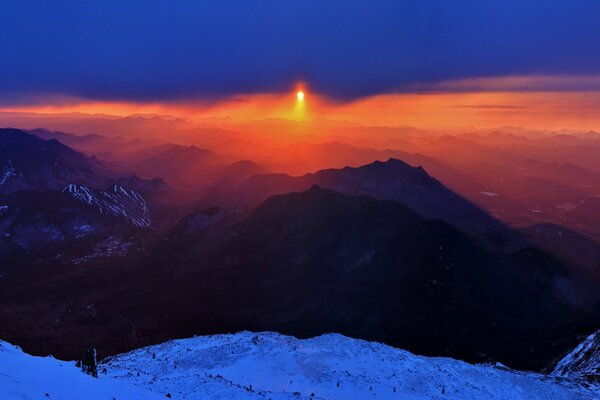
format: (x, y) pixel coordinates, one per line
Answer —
(380, 252)
(392, 180)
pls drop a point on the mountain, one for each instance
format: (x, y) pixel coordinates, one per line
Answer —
(520, 194)
(583, 361)
(191, 167)
(568, 245)
(56, 225)
(303, 264)
(250, 365)
(237, 172)
(564, 173)
(303, 157)
(178, 165)
(90, 143)
(107, 148)
(28, 162)
(201, 220)
(392, 180)
(319, 261)
(118, 201)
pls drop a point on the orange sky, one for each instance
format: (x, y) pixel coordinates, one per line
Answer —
(450, 104)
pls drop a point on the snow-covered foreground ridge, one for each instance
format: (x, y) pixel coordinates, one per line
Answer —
(272, 366)
(26, 377)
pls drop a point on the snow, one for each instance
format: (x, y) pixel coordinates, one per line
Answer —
(113, 246)
(118, 201)
(8, 172)
(273, 366)
(267, 365)
(583, 361)
(27, 377)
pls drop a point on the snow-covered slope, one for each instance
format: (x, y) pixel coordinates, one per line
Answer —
(25, 377)
(583, 361)
(118, 200)
(272, 366)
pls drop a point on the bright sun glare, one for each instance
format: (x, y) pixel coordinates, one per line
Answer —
(300, 95)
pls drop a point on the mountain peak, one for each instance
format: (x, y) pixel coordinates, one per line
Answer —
(315, 189)
(12, 135)
(395, 165)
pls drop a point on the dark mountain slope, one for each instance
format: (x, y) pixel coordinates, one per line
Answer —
(28, 162)
(572, 247)
(54, 227)
(309, 263)
(318, 261)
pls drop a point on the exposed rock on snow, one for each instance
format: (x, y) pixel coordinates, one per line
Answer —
(118, 201)
(113, 246)
(7, 172)
(583, 361)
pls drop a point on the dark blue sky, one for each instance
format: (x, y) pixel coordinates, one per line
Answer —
(169, 50)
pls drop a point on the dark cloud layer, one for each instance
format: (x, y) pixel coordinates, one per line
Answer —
(163, 50)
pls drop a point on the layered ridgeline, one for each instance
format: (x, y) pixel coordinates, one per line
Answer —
(391, 267)
(392, 180)
(28, 162)
(54, 205)
(272, 366)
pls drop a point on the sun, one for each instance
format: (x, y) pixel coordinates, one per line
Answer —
(300, 95)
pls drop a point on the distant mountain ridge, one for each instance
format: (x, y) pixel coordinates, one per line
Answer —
(28, 162)
(392, 180)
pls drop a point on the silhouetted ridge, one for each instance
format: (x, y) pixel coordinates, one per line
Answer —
(390, 180)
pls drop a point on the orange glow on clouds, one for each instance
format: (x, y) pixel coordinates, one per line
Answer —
(435, 106)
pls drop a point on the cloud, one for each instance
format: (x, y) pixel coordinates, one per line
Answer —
(505, 84)
(172, 51)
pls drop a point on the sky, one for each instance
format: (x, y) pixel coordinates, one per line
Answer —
(205, 52)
